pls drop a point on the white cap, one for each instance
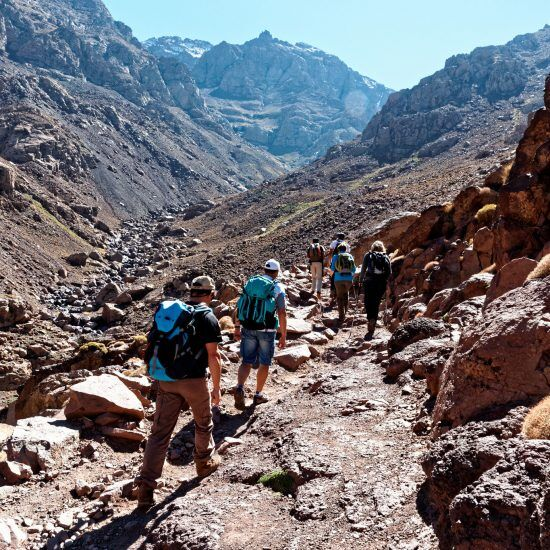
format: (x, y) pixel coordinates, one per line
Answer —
(272, 265)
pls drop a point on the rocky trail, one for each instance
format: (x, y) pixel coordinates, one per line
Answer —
(335, 438)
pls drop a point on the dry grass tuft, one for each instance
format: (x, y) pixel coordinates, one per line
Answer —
(537, 422)
(542, 270)
(486, 215)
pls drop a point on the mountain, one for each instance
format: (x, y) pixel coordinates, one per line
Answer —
(293, 100)
(186, 50)
(444, 108)
(94, 129)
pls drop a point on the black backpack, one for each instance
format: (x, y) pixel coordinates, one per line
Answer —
(378, 264)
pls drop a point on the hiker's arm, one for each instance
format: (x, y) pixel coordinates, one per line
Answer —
(282, 327)
(363, 270)
(215, 366)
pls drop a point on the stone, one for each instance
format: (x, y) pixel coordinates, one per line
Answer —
(41, 443)
(108, 293)
(7, 180)
(476, 285)
(81, 488)
(509, 276)
(298, 327)
(102, 394)
(510, 497)
(291, 358)
(123, 299)
(78, 259)
(14, 472)
(66, 519)
(499, 360)
(121, 433)
(111, 314)
(228, 292)
(414, 330)
(466, 312)
(317, 338)
(11, 534)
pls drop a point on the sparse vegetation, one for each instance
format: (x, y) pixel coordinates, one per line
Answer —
(485, 216)
(279, 481)
(93, 347)
(537, 423)
(542, 270)
(290, 211)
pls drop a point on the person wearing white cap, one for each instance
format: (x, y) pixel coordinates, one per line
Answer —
(261, 311)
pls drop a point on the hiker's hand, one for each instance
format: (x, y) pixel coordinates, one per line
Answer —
(282, 342)
(237, 333)
(215, 396)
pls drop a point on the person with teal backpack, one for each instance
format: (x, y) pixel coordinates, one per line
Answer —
(261, 311)
(182, 345)
(343, 269)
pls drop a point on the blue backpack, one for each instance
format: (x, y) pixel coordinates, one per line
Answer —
(256, 306)
(169, 354)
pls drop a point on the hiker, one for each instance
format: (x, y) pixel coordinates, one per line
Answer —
(182, 344)
(316, 257)
(261, 310)
(343, 269)
(332, 250)
(375, 272)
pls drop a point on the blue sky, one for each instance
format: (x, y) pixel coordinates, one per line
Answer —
(396, 42)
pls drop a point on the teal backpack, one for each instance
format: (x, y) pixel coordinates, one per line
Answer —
(169, 355)
(256, 306)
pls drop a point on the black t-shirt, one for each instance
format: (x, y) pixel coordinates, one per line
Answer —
(207, 331)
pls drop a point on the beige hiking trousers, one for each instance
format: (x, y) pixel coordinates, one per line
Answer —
(171, 398)
(316, 276)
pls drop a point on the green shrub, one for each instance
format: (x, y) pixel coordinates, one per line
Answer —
(279, 481)
(485, 216)
(93, 347)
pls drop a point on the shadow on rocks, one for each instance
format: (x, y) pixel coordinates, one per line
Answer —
(123, 531)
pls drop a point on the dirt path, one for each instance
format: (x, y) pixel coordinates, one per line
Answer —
(343, 435)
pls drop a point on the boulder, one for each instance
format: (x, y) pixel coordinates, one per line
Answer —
(41, 443)
(476, 285)
(412, 331)
(109, 293)
(465, 312)
(292, 358)
(433, 308)
(509, 276)
(228, 292)
(298, 327)
(111, 314)
(500, 360)
(13, 311)
(78, 259)
(102, 394)
(511, 498)
(11, 535)
(14, 472)
(7, 180)
(460, 457)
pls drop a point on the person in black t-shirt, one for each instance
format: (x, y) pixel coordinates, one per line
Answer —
(191, 390)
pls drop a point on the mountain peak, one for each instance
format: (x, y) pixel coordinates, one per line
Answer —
(265, 35)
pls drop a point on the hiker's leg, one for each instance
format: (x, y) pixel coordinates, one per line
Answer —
(249, 354)
(317, 276)
(266, 353)
(166, 415)
(261, 377)
(196, 393)
(340, 291)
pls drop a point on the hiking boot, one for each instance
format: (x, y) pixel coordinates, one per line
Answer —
(146, 497)
(239, 398)
(372, 327)
(260, 398)
(209, 466)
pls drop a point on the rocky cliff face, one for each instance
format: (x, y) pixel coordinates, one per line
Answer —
(293, 100)
(186, 50)
(444, 108)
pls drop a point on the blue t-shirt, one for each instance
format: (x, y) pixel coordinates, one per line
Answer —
(340, 276)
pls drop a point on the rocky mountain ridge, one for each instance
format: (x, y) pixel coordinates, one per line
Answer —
(293, 100)
(186, 50)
